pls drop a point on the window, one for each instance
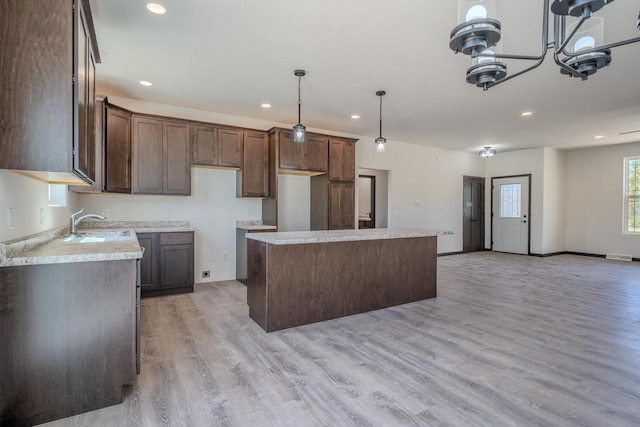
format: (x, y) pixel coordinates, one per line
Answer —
(632, 194)
(510, 197)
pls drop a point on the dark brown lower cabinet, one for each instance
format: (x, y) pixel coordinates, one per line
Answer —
(68, 339)
(149, 272)
(167, 265)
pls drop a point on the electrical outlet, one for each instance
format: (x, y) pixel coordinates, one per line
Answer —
(42, 218)
(10, 218)
(206, 274)
(296, 213)
(105, 213)
(165, 213)
(248, 213)
(225, 256)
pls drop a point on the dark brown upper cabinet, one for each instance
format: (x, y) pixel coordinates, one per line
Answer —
(253, 179)
(342, 160)
(117, 149)
(48, 89)
(161, 156)
(98, 157)
(217, 147)
(308, 156)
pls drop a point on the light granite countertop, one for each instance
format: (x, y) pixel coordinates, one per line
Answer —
(252, 225)
(301, 237)
(50, 247)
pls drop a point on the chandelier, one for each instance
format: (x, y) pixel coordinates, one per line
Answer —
(578, 49)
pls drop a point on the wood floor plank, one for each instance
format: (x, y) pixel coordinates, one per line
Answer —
(510, 341)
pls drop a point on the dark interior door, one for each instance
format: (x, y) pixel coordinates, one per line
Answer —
(473, 214)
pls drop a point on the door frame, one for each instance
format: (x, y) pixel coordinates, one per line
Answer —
(483, 208)
(373, 198)
(527, 175)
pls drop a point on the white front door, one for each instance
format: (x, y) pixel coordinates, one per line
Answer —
(510, 215)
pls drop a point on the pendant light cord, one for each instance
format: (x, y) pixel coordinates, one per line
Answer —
(381, 116)
(299, 102)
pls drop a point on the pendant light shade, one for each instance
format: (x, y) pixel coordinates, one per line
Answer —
(299, 130)
(381, 142)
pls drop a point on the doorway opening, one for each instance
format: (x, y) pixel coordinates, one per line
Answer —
(372, 198)
(473, 214)
(510, 221)
(366, 201)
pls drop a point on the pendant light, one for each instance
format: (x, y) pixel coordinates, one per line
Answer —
(381, 142)
(299, 130)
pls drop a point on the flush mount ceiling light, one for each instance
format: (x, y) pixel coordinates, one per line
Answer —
(487, 152)
(299, 130)
(156, 8)
(146, 83)
(526, 113)
(355, 116)
(265, 105)
(381, 142)
(578, 49)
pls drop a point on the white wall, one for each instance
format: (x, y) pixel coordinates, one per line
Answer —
(522, 162)
(594, 205)
(382, 195)
(212, 209)
(554, 201)
(294, 203)
(425, 185)
(26, 197)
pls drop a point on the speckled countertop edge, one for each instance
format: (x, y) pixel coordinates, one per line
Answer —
(253, 224)
(302, 237)
(48, 247)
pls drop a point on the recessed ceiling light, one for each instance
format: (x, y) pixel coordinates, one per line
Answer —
(146, 83)
(266, 105)
(598, 137)
(355, 116)
(156, 8)
(527, 113)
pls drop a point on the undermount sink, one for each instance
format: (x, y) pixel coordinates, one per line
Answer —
(96, 236)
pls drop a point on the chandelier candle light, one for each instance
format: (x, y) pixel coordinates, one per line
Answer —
(299, 130)
(381, 142)
(578, 49)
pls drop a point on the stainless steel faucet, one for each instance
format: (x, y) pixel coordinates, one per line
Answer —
(73, 226)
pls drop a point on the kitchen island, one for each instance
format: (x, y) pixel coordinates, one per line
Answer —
(297, 278)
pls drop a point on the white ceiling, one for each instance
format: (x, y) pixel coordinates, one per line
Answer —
(229, 56)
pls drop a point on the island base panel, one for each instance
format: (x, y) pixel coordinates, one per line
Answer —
(296, 284)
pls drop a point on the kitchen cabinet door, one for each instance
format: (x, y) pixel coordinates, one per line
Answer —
(229, 143)
(176, 167)
(290, 152)
(147, 157)
(149, 272)
(255, 165)
(341, 205)
(342, 160)
(204, 147)
(117, 150)
(176, 266)
(315, 154)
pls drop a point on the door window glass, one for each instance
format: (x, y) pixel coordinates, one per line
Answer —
(510, 200)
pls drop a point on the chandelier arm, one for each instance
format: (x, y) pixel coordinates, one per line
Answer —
(564, 66)
(544, 47)
(566, 41)
(604, 47)
(519, 73)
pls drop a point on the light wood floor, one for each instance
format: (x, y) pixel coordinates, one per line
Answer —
(510, 341)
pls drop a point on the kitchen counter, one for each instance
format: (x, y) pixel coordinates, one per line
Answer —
(296, 278)
(50, 246)
(302, 237)
(254, 225)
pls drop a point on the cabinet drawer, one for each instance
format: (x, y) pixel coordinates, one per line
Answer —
(176, 238)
